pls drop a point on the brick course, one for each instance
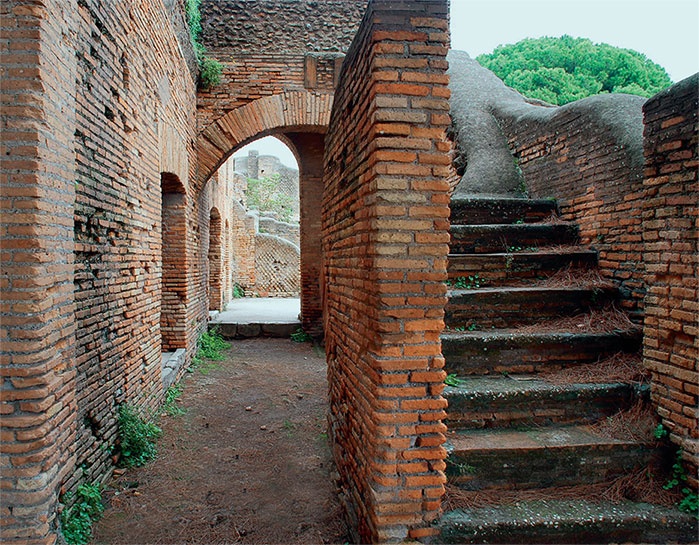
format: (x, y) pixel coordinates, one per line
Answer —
(671, 259)
(384, 292)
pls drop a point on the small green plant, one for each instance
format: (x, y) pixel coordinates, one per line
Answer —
(289, 427)
(516, 249)
(238, 292)
(137, 438)
(453, 380)
(211, 345)
(170, 406)
(84, 510)
(210, 74)
(690, 502)
(300, 336)
(467, 282)
(660, 432)
(473, 326)
(458, 469)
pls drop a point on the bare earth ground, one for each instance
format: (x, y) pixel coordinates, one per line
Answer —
(248, 462)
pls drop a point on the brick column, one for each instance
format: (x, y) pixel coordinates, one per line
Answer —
(36, 226)
(309, 147)
(385, 235)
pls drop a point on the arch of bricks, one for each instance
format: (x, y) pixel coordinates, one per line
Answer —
(287, 111)
(300, 118)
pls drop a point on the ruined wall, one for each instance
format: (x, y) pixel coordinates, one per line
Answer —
(671, 258)
(267, 45)
(588, 155)
(385, 234)
(110, 121)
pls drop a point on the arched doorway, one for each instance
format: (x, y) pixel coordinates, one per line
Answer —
(215, 261)
(173, 295)
(299, 119)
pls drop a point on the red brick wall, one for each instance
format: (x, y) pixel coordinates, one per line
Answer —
(385, 233)
(135, 98)
(37, 332)
(104, 103)
(588, 155)
(671, 258)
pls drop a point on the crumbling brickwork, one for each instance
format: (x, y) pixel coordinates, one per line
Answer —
(671, 259)
(588, 155)
(385, 234)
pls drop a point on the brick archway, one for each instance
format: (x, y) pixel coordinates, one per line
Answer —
(290, 111)
(300, 119)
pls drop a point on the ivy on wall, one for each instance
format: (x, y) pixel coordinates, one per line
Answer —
(209, 68)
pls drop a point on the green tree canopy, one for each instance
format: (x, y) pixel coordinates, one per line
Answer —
(561, 70)
(265, 195)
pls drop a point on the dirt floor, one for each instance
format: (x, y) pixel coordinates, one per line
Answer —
(248, 462)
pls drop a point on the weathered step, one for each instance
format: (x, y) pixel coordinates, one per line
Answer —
(568, 521)
(499, 268)
(523, 400)
(488, 239)
(539, 458)
(487, 352)
(509, 306)
(481, 210)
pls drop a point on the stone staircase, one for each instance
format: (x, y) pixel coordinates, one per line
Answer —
(526, 307)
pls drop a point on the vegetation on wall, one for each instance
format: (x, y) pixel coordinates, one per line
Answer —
(210, 69)
(561, 70)
(85, 509)
(137, 438)
(264, 195)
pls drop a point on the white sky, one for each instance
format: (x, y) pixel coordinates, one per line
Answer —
(666, 31)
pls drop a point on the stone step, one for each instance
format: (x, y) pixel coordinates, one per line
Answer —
(568, 521)
(496, 352)
(500, 268)
(523, 400)
(488, 239)
(539, 457)
(510, 306)
(482, 210)
(229, 330)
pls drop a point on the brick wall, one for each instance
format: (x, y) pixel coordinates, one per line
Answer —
(135, 97)
(385, 233)
(37, 332)
(103, 123)
(588, 155)
(671, 258)
(267, 46)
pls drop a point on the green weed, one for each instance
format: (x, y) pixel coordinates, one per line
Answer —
(300, 336)
(456, 468)
(211, 346)
(238, 292)
(137, 438)
(77, 520)
(170, 406)
(660, 432)
(467, 282)
(690, 502)
(210, 70)
(453, 380)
